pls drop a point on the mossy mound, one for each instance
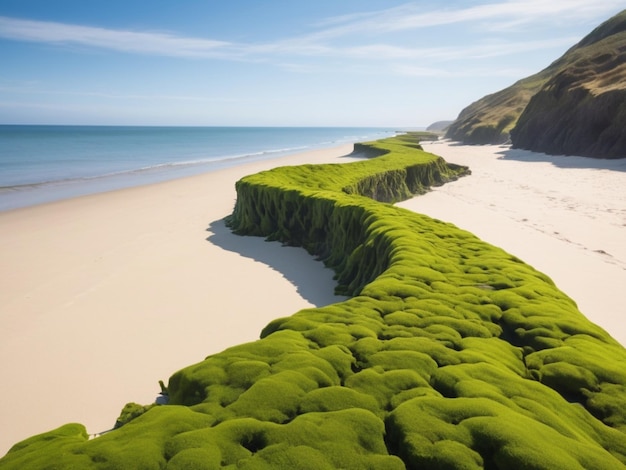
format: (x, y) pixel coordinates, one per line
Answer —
(451, 353)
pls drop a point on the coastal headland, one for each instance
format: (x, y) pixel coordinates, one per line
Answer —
(448, 349)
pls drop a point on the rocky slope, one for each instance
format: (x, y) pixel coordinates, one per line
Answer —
(574, 106)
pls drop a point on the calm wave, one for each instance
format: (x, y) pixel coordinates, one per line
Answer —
(45, 163)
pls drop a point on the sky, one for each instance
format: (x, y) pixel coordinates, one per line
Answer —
(380, 63)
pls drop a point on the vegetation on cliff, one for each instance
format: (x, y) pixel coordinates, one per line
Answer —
(450, 352)
(490, 119)
(588, 80)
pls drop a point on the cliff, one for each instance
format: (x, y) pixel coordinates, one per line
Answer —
(557, 102)
(582, 109)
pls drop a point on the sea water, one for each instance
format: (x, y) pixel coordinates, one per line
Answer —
(46, 163)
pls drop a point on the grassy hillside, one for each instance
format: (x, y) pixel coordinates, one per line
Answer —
(491, 119)
(450, 353)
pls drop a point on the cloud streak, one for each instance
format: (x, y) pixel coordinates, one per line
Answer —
(120, 40)
(519, 12)
(331, 37)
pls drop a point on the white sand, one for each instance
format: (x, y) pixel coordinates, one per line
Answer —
(565, 216)
(103, 296)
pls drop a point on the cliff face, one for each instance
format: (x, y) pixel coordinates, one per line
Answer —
(582, 109)
(574, 106)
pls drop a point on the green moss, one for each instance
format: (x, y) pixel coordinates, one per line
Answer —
(130, 412)
(337, 398)
(242, 374)
(53, 450)
(275, 398)
(478, 433)
(450, 353)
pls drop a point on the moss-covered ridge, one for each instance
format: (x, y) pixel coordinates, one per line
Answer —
(450, 354)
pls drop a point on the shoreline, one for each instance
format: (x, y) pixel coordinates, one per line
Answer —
(100, 287)
(171, 153)
(35, 194)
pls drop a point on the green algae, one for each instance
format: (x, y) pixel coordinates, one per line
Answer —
(450, 353)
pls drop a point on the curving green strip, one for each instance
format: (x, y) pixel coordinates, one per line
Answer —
(450, 352)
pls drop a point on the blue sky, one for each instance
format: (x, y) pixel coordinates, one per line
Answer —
(274, 62)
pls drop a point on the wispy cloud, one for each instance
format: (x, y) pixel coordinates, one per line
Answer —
(120, 40)
(518, 12)
(348, 36)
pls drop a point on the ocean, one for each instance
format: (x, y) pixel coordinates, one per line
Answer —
(41, 164)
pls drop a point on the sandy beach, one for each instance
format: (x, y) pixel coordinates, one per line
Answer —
(104, 295)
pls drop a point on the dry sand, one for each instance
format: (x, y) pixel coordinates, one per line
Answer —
(565, 216)
(104, 295)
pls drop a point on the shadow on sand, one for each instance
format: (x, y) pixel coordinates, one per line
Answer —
(313, 281)
(563, 161)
